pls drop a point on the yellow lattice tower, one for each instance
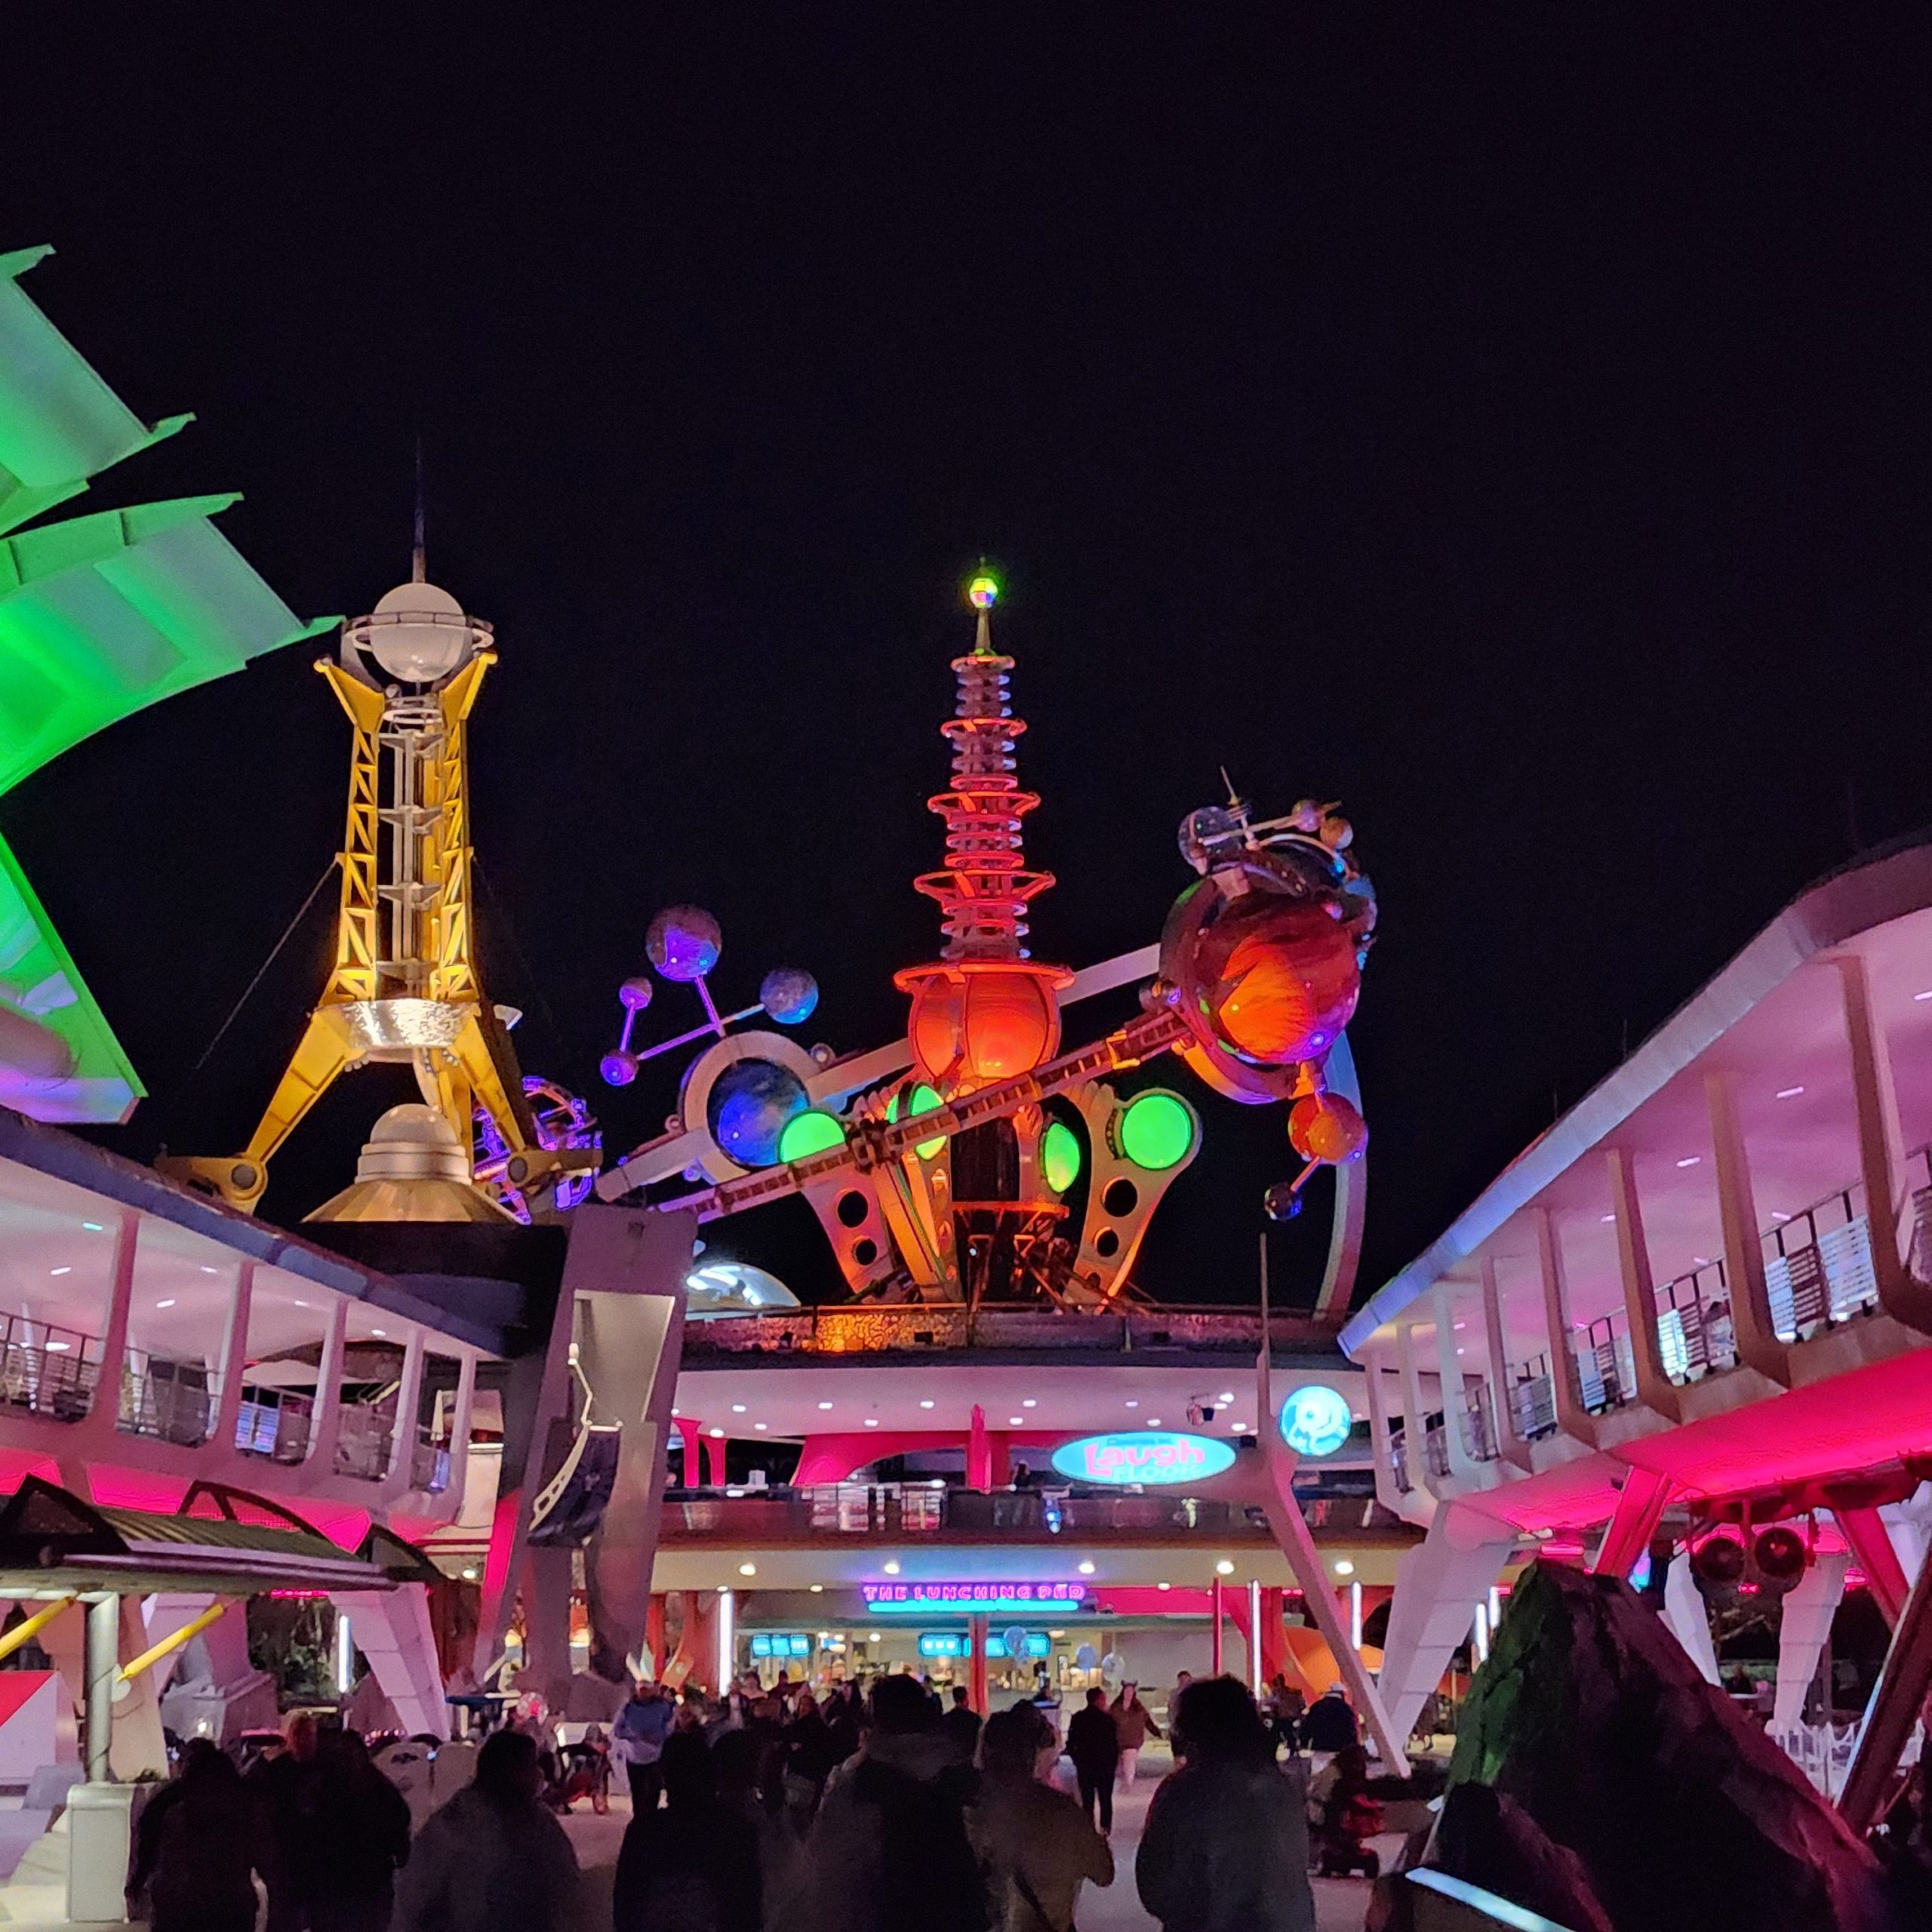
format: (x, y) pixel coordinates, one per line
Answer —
(405, 986)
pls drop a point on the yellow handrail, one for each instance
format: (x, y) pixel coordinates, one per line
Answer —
(25, 1632)
(131, 1670)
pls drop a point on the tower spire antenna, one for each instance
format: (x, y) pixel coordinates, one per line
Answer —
(418, 567)
(983, 593)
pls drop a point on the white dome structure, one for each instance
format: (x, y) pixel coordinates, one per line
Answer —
(733, 1288)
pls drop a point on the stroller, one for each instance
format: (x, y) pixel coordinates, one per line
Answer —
(579, 1770)
(1349, 1819)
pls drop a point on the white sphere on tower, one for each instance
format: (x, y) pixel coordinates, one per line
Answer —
(417, 633)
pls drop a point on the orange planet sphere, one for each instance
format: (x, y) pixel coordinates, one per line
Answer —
(971, 1029)
(1283, 977)
(1324, 1127)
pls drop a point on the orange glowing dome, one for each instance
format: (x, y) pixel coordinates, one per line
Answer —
(1281, 979)
(1324, 1127)
(972, 1026)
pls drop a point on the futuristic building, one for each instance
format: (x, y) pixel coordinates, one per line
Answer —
(1688, 1326)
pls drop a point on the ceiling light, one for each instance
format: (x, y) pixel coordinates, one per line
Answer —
(873, 1637)
(168, 1303)
(825, 1405)
(1015, 1421)
(716, 1433)
(1132, 1403)
(470, 1575)
(1029, 1403)
(1225, 1567)
(892, 1568)
(58, 1348)
(1789, 1093)
(1225, 1395)
(818, 1589)
(1701, 1260)
(1777, 1216)
(92, 1227)
(1606, 1219)
(60, 1270)
(1923, 995)
(303, 1304)
(1153, 1422)
(759, 1426)
(872, 1422)
(925, 1402)
(207, 1270)
(1689, 1159)
(748, 1569)
(1344, 1568)
(737, 1408)
(1085, 1569)
(1164, 1586)
(1239, 1428)
(375, 1331)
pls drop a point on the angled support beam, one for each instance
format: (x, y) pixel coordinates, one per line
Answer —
(1575, 1421)
(326, 1429)
(234, 1357)
(1463, 1467)
(1871, 1543)
(104, 1412)
(1902, 1686)
(1757, 1344)
(1415, 1414)
(1639, 1506)
(1655, 1389)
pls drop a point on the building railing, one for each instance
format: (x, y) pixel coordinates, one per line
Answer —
(46, 1371)
(1532, 1398)
(917, 1328)
(899, 1511)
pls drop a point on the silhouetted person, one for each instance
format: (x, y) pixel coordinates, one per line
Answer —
(284, 1788)
(200, 1844)
(960, 1725)
(493, 1859)
(1135, 1723)
(1093, 1741)
(361, 1828)
(1035, 1843)
(1226, 1845)
(809, 1756)
(637, 1742)
(1330, 1723)
(693, 1866)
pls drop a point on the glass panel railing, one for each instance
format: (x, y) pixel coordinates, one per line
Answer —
(46, 1371)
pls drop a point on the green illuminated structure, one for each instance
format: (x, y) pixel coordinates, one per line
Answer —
(100, 616)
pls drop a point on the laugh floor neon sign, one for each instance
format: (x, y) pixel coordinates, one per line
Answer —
(1143, 1456)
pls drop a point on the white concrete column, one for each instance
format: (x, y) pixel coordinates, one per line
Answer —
(104, 1412)
(1757, 1344)
(1388, 1492)
(1689, 1622)
(461, 1425)
(234, 1358)
(1804, 1627)
(399, 1476)
(325, 1425)
(1655, 1389)
(1509, 1445)
(1415, 1416)
(1575, 1421)
(394, 1634)
(1463, 1467)
(1438, 1584)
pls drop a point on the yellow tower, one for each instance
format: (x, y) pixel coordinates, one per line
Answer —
(404, 985)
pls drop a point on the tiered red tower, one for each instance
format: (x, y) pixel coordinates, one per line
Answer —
(984, 1010)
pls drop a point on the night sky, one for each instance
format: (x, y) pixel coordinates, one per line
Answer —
(1511, 422)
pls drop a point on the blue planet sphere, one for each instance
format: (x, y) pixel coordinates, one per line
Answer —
(747, 1108)
(787, 994)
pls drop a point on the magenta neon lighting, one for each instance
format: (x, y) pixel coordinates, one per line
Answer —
(972, 1596)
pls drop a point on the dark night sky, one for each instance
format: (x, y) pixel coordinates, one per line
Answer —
(1510, 421)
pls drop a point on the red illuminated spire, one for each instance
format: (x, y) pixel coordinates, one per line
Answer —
(984, 1009)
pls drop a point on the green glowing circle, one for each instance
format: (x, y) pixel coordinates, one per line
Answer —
(811, 1132)
(924, 1100)
(1060, 1156)
(1157, 1130)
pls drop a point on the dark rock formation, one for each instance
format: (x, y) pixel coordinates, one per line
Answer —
(1492, 1841)
(1682, 1815)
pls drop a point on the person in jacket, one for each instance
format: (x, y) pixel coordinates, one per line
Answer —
(961, 1724)
(1226, 1845)
(693, 1866)
(1330, 1723)
(1037, 1846)
(1135, 1723)
(200, 1844)
(1092, 1742)
(361, 1839)
(283, 1787)
(807, 1743)
(493, 1859)
(637, 1742)
(889, 1851)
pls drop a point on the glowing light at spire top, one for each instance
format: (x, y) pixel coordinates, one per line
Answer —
(983, 592)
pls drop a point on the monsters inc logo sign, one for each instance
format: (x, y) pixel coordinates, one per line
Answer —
(1149, 1456)
(1316, 1419)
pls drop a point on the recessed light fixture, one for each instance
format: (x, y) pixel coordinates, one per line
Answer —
(873, 1637)
(60, 1270)
(737, 1408)
(1343, 1567)
(1153, 1422)
(1240, 1428)
(748, 1569)
(470, 1575)
(1085, 1569)
(1923, 995)
(207, 1270)
(168, 1303)
(892, 1568)
(1131, 1403)
(1225, 1567)
(872, 1422)
(825, 1405)
(1701, 1260)
(818, 1589)
(58, 1348)
(1225, 1395)
(1164, 1586)
(1777, 1216)
(1606, 1219)
(303, 1304)
(1689, 1159)
(1029, 1403)
(715, 1433)
(92, 1227)
(1789, 1093)
(1014, 1422)
(925, 1401)
(375, 1331)
(760, 1426)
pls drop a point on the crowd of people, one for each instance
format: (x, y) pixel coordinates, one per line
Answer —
(761, 1811)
